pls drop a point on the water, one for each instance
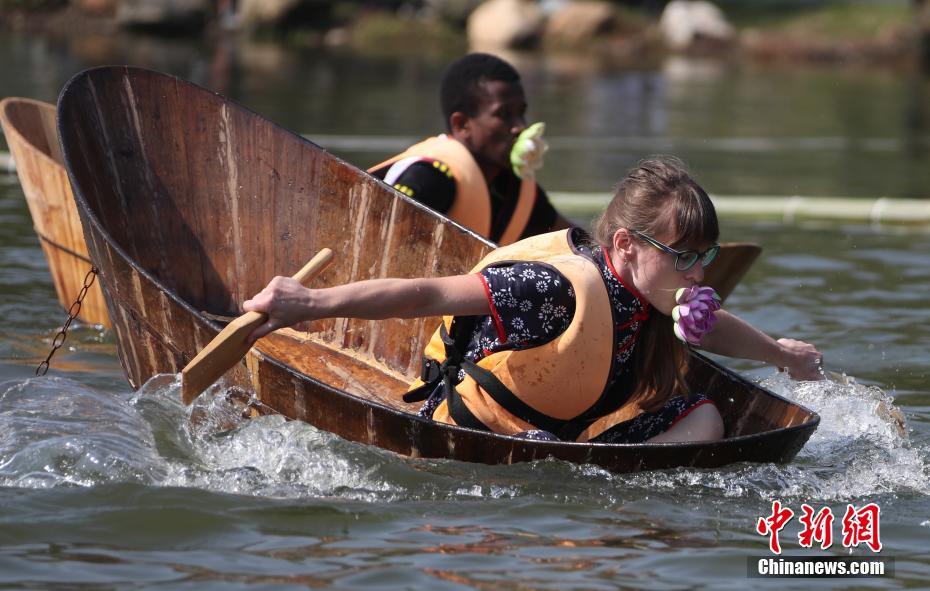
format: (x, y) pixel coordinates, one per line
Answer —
(102, 487)
(744, 129)
(121, 488)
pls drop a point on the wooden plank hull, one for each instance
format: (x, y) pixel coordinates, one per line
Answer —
(31, 133)
(191, 203)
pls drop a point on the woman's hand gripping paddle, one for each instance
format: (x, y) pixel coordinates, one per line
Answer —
(231, 345)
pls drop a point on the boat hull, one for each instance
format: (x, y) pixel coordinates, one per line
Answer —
(30, 130)
(191, 203)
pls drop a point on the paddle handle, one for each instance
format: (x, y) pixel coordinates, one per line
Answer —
(314, 266)
(252, 320)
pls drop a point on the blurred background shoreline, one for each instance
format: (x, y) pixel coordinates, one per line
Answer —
(811, 98)
(810, 32)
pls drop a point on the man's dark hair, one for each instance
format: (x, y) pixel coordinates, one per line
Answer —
(461, 85)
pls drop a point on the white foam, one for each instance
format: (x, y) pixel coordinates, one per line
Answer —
(861, 449)
(59, 433)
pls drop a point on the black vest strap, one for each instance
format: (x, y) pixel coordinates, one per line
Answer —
(430, 375)
(445, 375)
(502, 395)
(461, 414)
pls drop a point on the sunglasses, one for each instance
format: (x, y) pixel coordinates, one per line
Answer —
(684, 259)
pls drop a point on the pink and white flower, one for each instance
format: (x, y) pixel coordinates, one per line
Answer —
(694, 314)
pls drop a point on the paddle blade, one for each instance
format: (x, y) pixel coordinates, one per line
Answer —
(223, 352)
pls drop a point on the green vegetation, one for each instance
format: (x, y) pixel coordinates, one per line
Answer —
(382, 30)
(32, 4)
(631, 19)
(825, 20)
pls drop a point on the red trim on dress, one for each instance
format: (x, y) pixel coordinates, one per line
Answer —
(610, 265)
(640, 316)
(687, 412)
(501, 334)
(630, 342)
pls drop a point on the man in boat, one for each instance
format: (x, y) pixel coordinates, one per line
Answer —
(565, 336)
(466, 173)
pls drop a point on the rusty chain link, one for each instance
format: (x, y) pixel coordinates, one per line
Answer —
(73, 312)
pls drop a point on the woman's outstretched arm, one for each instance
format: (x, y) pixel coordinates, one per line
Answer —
(287, 302)
(735, 337)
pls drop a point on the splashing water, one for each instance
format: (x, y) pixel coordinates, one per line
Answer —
(212, 446)
(862, 446)
(860, 449)
(55, 432)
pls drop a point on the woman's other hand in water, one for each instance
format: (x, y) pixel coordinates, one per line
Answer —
(285, 301)
(802, 360)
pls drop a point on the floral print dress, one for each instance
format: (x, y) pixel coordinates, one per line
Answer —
(532, 303)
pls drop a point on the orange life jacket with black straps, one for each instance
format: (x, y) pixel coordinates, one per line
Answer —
(472, 204)
(560, 386)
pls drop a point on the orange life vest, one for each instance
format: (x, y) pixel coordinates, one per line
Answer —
(558, 386)
(472, 204)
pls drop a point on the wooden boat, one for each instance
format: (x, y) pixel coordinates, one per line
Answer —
(31, 133)
(191, 203)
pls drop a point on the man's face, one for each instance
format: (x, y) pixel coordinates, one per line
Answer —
(490, 134)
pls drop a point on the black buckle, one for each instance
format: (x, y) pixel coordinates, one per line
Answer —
(431, 373)
(430, 370)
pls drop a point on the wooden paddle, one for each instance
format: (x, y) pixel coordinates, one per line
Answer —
(231, 345)
(732, 262)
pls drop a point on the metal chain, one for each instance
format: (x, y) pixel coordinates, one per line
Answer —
(73, 312)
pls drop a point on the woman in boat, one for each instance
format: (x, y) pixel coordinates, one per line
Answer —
(563, 335)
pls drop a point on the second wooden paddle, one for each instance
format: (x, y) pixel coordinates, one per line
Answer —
(231, 345)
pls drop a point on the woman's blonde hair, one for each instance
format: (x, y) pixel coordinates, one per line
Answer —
(656, 194)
